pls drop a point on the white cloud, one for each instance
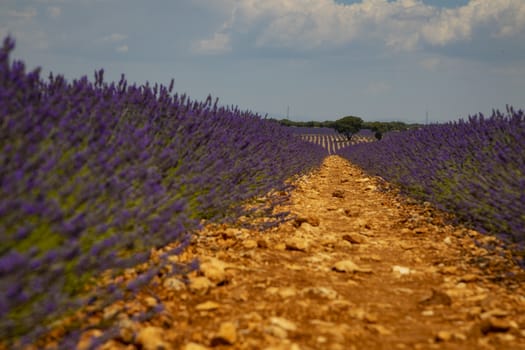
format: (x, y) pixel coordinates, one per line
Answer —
(122, 48)
(219, 43)
(400, 25)
(54, 11)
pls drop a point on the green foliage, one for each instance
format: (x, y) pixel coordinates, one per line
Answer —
(348, 125)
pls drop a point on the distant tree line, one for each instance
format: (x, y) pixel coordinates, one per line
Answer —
(351, 125)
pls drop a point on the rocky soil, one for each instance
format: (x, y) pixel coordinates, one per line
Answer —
(360, 267)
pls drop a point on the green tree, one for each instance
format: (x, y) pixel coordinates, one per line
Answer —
(348, 126)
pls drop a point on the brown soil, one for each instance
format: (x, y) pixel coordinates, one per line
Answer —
(360, 268)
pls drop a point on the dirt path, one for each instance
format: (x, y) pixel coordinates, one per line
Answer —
(358, 269)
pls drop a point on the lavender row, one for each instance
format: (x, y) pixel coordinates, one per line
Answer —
(473, 168)
(94, 174)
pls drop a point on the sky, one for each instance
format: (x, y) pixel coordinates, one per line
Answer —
(404, 60)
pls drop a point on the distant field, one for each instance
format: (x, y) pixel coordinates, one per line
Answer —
(335, 142)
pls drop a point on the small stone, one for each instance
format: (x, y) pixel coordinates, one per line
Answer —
(261, 243)
(427, 313)
(250, 244)
(277, 331)
(401, 270)
(280, 246)
(370, 318)
(127, 331)
(436, 298)
(296, 243)
(444, 336)
(312, 220)
(495, 325)
(381, 330)
(449, 270)
(338, 194)
(287, 292)
(354, 238)
(421, 230)
(151, 339)
(322, 292)
(214, 270)
(459, 336)
(349, 266)
(227, 335)
(174, 284)
(207, 306)
(194, 346)
(493, 313)
(200, 285)
(507, 337)
(469, 278)
(283, 323)
(447, 240)
(150, 301)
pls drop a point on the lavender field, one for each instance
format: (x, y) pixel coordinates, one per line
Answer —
(330, 140)
(474, 169)
(95, 174)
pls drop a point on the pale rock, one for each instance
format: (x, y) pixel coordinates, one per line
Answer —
(227, 335)
(214, 269)
(283, 323)
(280, 246)
(322, 292)
(297, 243)
(150, 301)
(310, 219)
(459, 336)
(200, 285)
(174, 284)
(349, 266)
(207, 306)
(449, 270)
(371, 188)
(494, 313)
(272, 290)
(287, 292)
(250, 244)
(444, 336)
(370, 318)
(277, 331)
(506, 337)
(495, 325)
(401, 270)
(447, 240)
(427, 313)
(127, 330)
(151, 339)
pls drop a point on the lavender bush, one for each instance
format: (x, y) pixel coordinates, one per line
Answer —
(473, 168)
(94, 174)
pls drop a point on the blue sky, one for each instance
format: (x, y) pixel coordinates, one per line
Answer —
(318, 59)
